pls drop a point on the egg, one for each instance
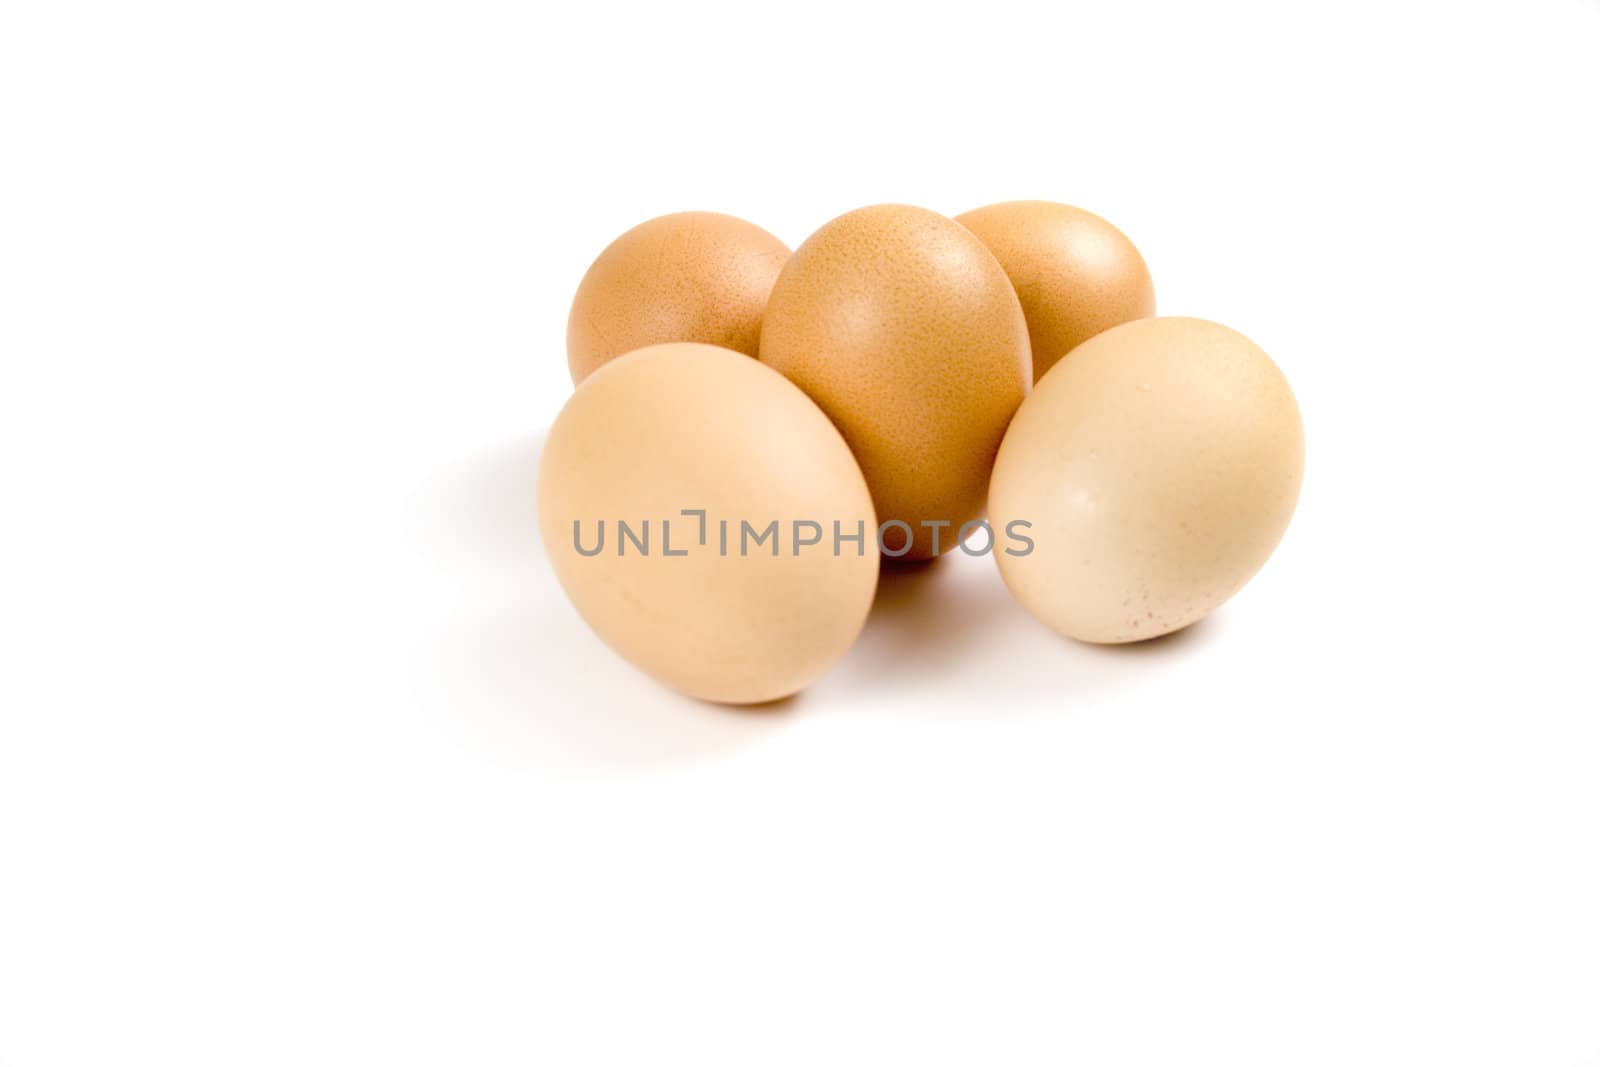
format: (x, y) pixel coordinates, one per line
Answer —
(901, 325)
(693, 276)
(1075, 273)
(708, 522)
(1146, 479)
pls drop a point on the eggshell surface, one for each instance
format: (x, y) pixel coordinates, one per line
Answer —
(1075, 273)
(692, 276)
(902, 326)
(679, 428)
(1157, 469)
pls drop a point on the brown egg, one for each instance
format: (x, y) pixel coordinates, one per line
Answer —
(708, 522)
(1075, 273)
(693, 276)
(1146, 479)
(903, 328)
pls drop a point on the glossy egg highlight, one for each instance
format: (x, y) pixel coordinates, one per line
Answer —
(1075, 273)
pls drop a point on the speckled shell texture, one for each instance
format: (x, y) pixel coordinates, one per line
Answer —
(1159, 467)
(901, 325)
(678, 426)
(693, 276)
(1075, 273)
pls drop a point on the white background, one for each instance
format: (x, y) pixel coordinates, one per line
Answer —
(304, 758)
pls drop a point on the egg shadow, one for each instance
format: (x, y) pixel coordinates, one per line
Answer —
(491, 503)
(928, 618)
(1085, 667)
(545, 678)
(534, 669)
(930, 622)
(1173, 643)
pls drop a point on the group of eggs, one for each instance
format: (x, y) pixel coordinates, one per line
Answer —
(753, 431)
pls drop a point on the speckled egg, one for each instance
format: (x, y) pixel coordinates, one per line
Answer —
(902, 326)
(1153, 472)
(693, 276)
